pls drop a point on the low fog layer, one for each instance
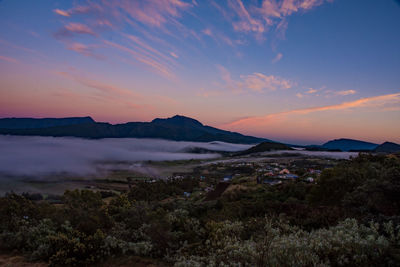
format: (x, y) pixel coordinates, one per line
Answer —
(22, 155)
(321, 154)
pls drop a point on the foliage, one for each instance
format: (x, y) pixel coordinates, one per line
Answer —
(349, 218)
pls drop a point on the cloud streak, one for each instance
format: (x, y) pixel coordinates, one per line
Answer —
(153, 64)
(107, 90)
(346, 92)
(277, 58)
(260, 18)
(256, 82)
(83, 49)
(8, 59)
(376, 101)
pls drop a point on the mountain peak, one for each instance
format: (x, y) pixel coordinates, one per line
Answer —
(178, 120)
(388, 147)
(346, 144)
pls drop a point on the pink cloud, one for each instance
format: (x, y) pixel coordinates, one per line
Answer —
(311, 91)
(153, 12)
(277, 58)
(173, 55)
(346, 92)
(79, 28)
(147, 49)
(260, 82)
(154, 65)
(258, 19)
(61, 12)
(207, 32)
(257, 82)
(83, 49)
(8, 59)
(107, 90)
(74, 28)
(380, 102)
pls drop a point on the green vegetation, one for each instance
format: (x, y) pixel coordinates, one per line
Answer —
(349, 217)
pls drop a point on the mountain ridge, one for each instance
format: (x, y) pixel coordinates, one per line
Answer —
(178, 128)
(387, 147)
(345, 144)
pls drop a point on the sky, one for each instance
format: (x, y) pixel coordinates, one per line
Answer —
(298, 71)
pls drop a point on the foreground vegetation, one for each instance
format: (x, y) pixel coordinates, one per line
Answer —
(349, 217)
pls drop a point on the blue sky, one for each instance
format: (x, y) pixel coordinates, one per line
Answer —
(302, 71)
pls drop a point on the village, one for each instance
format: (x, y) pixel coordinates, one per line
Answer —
(218, 176)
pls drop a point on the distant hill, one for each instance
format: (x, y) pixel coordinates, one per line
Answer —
(264, 147)
(30, 123)
(349, 145)
(387, 147)
(177, 128)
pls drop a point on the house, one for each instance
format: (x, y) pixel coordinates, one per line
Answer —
(291, 176)
(186, 194)
(310, 179)
(284, 171)
(227, 178)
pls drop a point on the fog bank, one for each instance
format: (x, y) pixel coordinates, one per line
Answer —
(27, 155)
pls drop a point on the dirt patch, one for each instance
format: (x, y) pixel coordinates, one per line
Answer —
(217, 192)
(13, 260)
(129, 261)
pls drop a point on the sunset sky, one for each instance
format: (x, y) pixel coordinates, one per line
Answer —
(299, 71)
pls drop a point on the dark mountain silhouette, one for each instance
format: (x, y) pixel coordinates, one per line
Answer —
(177, 128)
(387, 147)
(349, 145)
(30, 123)
(265, 146)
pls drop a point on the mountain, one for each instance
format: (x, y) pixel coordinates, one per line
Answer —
(178, 128)
(387, 147)
(264, 147)
(30, 123)
(349, 145)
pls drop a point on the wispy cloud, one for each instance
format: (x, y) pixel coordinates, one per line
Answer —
(253, 17)
(208, 93)
(256, 82)
(207, 32)
(260, 82)
(154, 65)
(245, 22)
(146, 17)
(8, 59)
(346, 92)
(83, 49)
(154, 13)
(61, 12)
(74, 28)
(311, 91)
(146, 49)
(277, 58)
(173, 55)
(107, 90)
(380, 102)
(21, 48)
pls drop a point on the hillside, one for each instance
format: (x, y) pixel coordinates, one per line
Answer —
(265, 147)
(387, 147)
(178, 128)
(349, 145)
